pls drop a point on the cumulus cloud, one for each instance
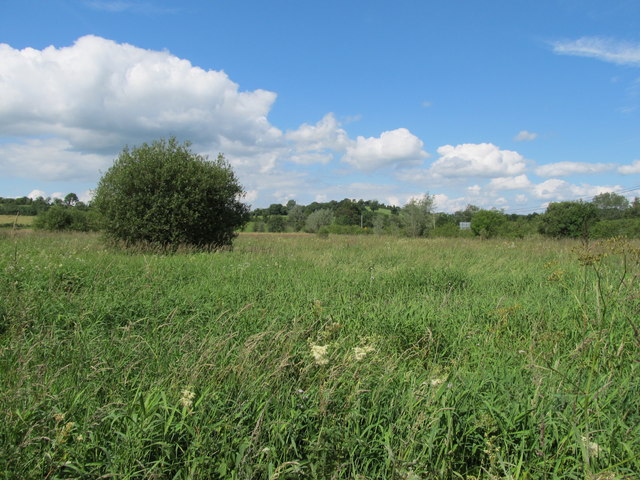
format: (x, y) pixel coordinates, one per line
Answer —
(632, 169)
(99, 95)
(36, 194)
(395, 147)
(525, 136)
(556, 189)
(563, 169)
(509, 183)
(477, 160)
(605, 49)
(315, 143)
(445, 204)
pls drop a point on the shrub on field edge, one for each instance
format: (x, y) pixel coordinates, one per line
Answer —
(59, 218)
(165, 195)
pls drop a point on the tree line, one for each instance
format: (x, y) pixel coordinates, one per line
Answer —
(608, 214)
(164, 194)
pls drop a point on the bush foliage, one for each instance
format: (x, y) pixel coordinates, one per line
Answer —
(164, 194)
(59, 218)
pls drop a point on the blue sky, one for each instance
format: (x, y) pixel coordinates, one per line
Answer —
(505, 104)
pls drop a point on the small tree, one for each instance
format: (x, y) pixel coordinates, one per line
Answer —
(486, 223)
(276, 223)
(610, 205)
(418, 216)
(318, 219)
(166, 195)
(71, 199)
(296, 218)
(568, 219)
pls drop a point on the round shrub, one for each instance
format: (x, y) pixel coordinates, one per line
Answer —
(163, 194)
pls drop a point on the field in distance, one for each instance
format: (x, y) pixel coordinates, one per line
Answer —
(295, 356)
(20, 220)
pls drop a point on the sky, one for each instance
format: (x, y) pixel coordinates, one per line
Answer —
(506, 104)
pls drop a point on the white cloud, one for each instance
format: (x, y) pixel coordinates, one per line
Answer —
(99, 95)
(250, 196)
(445, 204)
(37, 193)
(509, 183)
(477, 160)
(605, 49)
(525, 136)
(563, 169)
(632, 169)
(521, 199)
(395, 147)
(86, 196)
(311, 158)
(50, 159)
(393, 201)
(316, 143)
(556, 189)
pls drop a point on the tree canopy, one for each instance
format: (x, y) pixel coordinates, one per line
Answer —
(162, 193)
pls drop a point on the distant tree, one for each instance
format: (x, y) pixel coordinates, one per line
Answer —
(164, 194)
(487, 223)
(59, 218)
(467, 214)
(634, 208)
(568, 219)
(71, 199)
(418, 216)
(379, 224)
(610, 205)
(348, 212)
(291, 204)
(276, 209)
(318, 219)
(296, 218)
(276, 223)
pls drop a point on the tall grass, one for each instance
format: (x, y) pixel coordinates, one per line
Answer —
(305, 357)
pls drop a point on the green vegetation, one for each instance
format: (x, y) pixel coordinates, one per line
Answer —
(163, 194)
(290, 357)
(607, 215)
(19, 221)
(60, 218)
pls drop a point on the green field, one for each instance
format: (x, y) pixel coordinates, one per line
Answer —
(295, 356)
(20, 220)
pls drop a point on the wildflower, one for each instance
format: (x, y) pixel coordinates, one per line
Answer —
(592, 447)
(319, 353)
(187, 398)
(360, 352)
(436, 382)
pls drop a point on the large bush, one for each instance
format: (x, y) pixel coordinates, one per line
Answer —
(318, 219)
(59, 218)
(568, 219)
(487, 223)
(164, 194)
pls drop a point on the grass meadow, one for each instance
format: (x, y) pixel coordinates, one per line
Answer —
(9, 221)
(295, 357)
